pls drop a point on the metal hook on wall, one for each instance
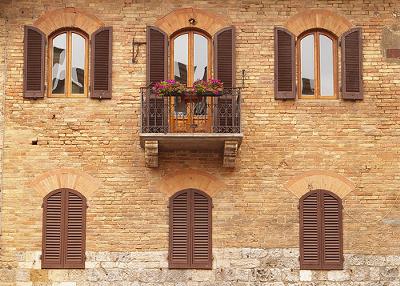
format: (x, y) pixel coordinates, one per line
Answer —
(135, 52)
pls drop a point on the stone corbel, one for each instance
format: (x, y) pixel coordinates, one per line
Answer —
(230, 153)
(151, 154)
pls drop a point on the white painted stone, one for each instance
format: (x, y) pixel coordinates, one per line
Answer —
(305, 275)
(338, 275)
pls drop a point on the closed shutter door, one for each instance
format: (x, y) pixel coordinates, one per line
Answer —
(34, 43)
(157, 67)
(179, 248)
(332, 232)
(201, 231)
(352, 86)
(310, 232)
(285, 64)
(75, 231)
(101, 63)
(226, 111)
(52, 231)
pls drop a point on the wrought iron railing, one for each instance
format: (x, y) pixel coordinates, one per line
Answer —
(190, 114)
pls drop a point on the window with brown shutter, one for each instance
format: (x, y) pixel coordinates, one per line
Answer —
(64, 230)
(34, 44)
(321, 242)
(190, 230)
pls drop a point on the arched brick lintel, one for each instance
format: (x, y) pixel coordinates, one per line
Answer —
(179, 19)
(65, 178)
(68, 17)
(320, 180)
(318, 18)
(189, 179)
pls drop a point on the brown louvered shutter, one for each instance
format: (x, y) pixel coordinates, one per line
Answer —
(332, 257)
(321, 231)
(34, 43)
(285, 64)
(52, 231)
(179, 225)
(190, 230)
(157, 70)
(225, 70)
(351, 43)
(201, 231)
(310, 227)
(101, 64)
(75, 221)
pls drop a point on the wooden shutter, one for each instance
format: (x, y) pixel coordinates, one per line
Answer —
(52, 230)
(351, 43)
(201, 231)
(34, 44)
(224, 56)
(101, 63)
(321, 231)
(75, 221)
(157, 70)
(179, 225)
(64, 228)
(285, 64)
(190, 230)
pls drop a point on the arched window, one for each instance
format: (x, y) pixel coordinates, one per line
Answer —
(317, 65)
(321, 242)
(64, 230)
(190, 230)
(68, 64)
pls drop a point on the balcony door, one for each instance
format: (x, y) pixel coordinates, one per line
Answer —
(190, 61)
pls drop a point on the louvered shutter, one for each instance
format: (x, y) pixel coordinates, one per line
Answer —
(52, 231)
(201, 231)
(101, 63)
(352, 85)
(34, 43)
(179, 237)
(225, 115)
(285, 64)
(75, 221)
(332, 256)
(310, 228)
(157, 70)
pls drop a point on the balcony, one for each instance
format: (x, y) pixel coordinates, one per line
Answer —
(203, 123)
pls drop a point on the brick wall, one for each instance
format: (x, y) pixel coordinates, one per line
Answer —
(282, 139)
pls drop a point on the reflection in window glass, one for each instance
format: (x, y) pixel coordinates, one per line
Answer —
(326, 65)
(59, 64)
(307, 65)
(78, 64)
(200, 57)
(181, 58)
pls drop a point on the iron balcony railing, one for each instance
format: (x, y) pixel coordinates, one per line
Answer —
(190, 114)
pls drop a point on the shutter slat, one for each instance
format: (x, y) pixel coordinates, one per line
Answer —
(284, 64)
(34, 43)
(352, 86)
(101, 63)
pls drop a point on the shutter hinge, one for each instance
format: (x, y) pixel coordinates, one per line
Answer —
(212, 205)
(85, 257)
(42, 205)
(298, 206)
(40, 257)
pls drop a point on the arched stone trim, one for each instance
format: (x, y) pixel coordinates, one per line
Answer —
(189, 179)
(65, 178)
(179, 19)
(68, 17)
(320, 180)
(318, 18)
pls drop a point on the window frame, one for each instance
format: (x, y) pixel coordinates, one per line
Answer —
(317, 33)
(68, 89)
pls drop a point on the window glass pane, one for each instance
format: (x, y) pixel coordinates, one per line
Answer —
(326, 65)
(78, 64)
(181, 58)
(200, 57)
(59, 64)
(307, 65)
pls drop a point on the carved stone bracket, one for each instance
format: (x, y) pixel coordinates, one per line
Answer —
(151, 154)
(230, 152)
